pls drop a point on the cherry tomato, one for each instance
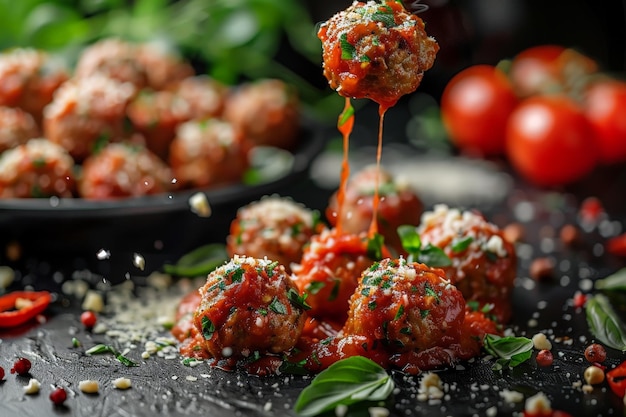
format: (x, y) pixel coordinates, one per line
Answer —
(1, 373)
(21, 366)
(88, 319)
(544, 358)
(58, 396)
(475, 106)
(549, 68)
(605, 102)
(617, 379)
(595, 353)
(547, 141)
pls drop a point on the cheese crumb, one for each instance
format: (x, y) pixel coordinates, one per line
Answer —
(139, 261)
(89, 386)
(541, 342)
(32, 387)
(122, 383)
(93, 301)
(538, 404)
(200, 205)
(378, 411)
(511, 397)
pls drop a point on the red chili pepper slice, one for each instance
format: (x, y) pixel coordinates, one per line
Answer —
(617, 245)
(11, 317)
(616, 378)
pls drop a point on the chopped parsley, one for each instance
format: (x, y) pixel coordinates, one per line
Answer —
(348, 51)
(208, 328)
(399, 313)
(277, 307)
(297, 300)
(315, 286)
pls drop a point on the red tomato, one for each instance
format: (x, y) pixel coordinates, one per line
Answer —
(549, 68)
(88, 319)
(605, 102)
(547, 141)
(475, 106)
(616, 245)
(535, 69)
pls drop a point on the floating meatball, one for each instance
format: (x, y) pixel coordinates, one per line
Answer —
(123, 170)
(86, 112)
(28, 79)
(405, 306)
(208, 153)
(274, 227)
(205, 96)
(267, 111)
(249, 305)
(329, 272)
(38, 168)
(376, 50)
(16, 127)
(156, 115)
(484, 263)
(163, 66)
(398, 205)
(112, 58)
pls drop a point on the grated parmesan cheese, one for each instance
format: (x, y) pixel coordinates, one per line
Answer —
(32, 387)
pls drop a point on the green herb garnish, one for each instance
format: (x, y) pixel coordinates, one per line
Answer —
(375, 247)
(297, 300)
(348, 51)
(459, 245)
(510, 351)
(348, 381)
(102, 348)
(604, 323)
(615, 281)
(198, 262)
(277, 307)
(429, 255)
(208, 328)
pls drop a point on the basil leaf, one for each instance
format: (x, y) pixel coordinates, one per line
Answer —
(410, 239)
(199, 262)
(347, 381)
(510, 351)
(375, 247)
(604, 323)
(433, 256)
(616, 281)
(348, 51)
(460, 245)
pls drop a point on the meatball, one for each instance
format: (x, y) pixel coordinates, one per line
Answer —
(38, 168)
(484, 263)
(405, 306)
(267, 111)
(376, 51)
(112, 58)
(205, 96)
(329, 271)
(398, 205)
(123, 170)
(163, 66)
(86, 112)
(16, 127)
(156, 115)
(249, 305)
(29, 78)
(208, 153)
(274, 227)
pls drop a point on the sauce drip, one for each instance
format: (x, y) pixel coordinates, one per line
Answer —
(382, 109)
(345, 123)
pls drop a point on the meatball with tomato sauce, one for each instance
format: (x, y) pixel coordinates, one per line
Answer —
(267, 112)
(156, 115)
(398, 205)
(112, 58)
(408, 316)
(87, 112)
(205, 96)
(484, 263)
(163, 66)
(16, 127)
(123, 170)
(29, 78)
(376, 50)
(274, 227)
(208, 153)
(248, 305)
(329, 271)
(38, 168)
